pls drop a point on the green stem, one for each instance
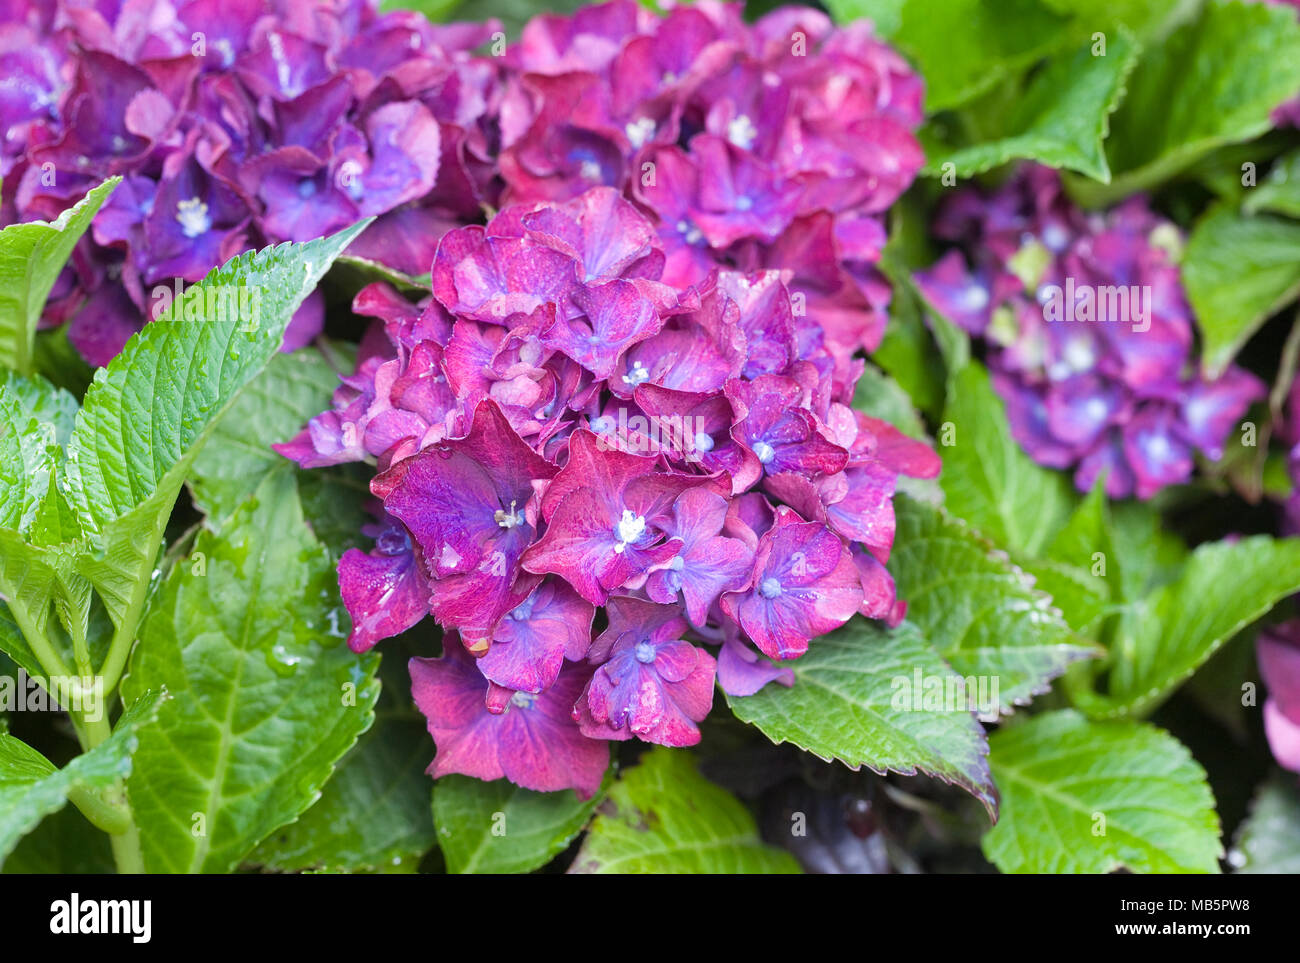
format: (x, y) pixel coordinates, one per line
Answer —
(50, 660)
(125, 838)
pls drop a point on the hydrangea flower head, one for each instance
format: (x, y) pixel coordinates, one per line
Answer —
(235, 126)
(1089, 335)
(607, 448)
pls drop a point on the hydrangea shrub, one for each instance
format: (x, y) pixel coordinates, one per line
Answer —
(655, 431)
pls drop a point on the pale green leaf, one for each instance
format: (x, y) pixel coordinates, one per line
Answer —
(267, 699)
(988, 479)
(1269, 840)
(858, 698)
(979, 611)
(1279, 192)
(147, 414)
(373, 814)
(1092, 797)
(1238, 271)
(31, 787)
(31, 256)
(1213, 81)
(1060, 120)
(1222, 588)
(498, 827)
(662, 816)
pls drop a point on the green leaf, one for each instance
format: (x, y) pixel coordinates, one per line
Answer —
(43, 401)
(1060, 120)
(147, 414)
(373, 814)
(963, 47)
(31, 256)
(1081, 569)
(856, 699)
(64, 842)
(1223, 587)
(15, 646)
(989, 481)
(1279, 192)
(1214, 81)
(498, 827)
(27, 457)
(31, 788)
(907, 352)
(292, 390)
(978, 610)
(1238, 271)
(1061, 776)
(266, 699)
(1269, 840)
(662, 816)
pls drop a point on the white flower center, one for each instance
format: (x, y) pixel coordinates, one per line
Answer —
(636, 375)
(640, 131)
(589, 170)
(764, 451)
(742, 132)
(629, 528)
(508, 519)
(192, 216)
(770, 588)
(703, 441)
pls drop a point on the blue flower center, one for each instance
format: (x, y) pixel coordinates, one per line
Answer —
(645, 653)
(524, 700)
(764, 451)
(769, 588)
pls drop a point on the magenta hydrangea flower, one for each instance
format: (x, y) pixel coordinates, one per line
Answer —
(651, 683)
(587, 428)
(489, 732)
(772, 146)
(1086, 391)
(804, 584)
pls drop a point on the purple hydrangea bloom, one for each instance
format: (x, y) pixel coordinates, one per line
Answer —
(468, 505)
(530, 644)
(804, 584)
(238, 125)
(601, 419)
(651, 683)
(1089, 336)
(608, 515)
(771, 146)
(489, 732)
